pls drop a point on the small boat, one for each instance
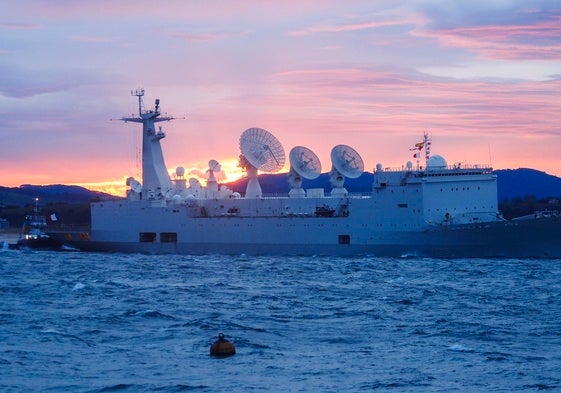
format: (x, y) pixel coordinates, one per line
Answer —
(33, 232)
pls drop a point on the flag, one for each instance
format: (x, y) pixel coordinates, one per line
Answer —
(53, 217)
(418, 146)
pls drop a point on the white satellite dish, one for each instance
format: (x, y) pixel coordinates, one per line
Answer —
(304, 162)
(194, 184)
(213, 167)
(260, 151)
(134, 184)
(347, 161)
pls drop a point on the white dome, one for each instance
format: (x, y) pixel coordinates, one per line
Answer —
(436, 162)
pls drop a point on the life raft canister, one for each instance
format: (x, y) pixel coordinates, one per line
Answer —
(222, 347)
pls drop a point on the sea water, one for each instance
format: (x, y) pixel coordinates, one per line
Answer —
(93, 322)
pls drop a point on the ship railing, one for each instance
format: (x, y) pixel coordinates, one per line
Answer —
(275, 195)
(326, 195)
(484, 168)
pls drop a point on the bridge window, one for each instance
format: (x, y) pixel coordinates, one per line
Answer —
(168, 237)
(147, 237)
(344, 239)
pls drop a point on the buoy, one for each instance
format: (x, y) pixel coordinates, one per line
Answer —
(222, 347)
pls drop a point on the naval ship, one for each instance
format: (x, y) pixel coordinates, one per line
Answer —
(429, 210)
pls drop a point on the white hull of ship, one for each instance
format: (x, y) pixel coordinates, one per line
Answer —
(342, 236)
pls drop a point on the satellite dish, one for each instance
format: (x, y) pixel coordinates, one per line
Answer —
(304, 162)
(347, 161)
(214, 166)
(134, 184)
(262, 150)
(194, 183)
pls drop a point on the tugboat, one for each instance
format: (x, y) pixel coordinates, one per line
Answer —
(33, 232)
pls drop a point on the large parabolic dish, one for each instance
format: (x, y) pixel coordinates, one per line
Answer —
(304, 162)
(262, 150)
(347, 161)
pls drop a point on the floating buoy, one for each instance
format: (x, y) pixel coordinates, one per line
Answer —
(222, 347)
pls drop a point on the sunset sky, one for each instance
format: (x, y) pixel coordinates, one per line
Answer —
(482, 77)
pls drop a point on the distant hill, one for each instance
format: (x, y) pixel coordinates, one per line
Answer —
(278, 183)
(26, 194)
(70, 204)
(524, 182)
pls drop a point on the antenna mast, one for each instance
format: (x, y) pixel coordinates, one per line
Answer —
(155, 178)
(427, 143)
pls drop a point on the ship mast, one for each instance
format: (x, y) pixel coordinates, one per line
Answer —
(156, 181)
(425, 144)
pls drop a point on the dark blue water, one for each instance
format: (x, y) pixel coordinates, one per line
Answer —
(87, 322)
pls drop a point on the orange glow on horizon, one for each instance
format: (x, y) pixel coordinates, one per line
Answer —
(230, 172)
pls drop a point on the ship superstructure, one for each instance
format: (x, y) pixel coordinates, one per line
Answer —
(426, 210)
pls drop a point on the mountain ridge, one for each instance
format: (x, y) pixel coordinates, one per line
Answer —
(53, 193)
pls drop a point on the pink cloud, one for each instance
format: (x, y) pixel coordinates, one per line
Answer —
(474, 107)
(532, 41)
(348, 27)
(375, 110)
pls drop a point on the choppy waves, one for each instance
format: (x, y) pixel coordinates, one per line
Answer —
(113, 322)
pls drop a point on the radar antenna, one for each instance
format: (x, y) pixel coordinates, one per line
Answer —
(179, 180)
(303, 164)
(346, 162)
(139, 93)
(260, 151)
